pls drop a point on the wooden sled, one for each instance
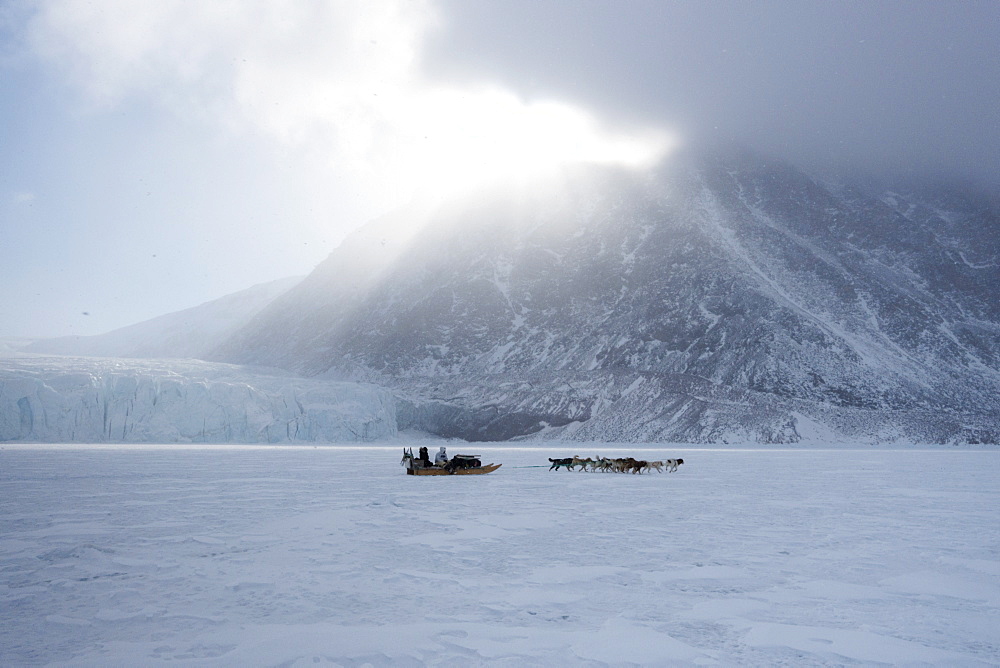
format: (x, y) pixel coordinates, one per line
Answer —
(415, 466)
(437, 470)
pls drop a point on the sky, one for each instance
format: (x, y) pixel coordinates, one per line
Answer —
(159, 155)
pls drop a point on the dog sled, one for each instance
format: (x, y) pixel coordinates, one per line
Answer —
(457, 465)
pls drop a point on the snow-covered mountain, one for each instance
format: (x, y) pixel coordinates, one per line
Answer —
(190, 333)
(725, 297)
(92, 400)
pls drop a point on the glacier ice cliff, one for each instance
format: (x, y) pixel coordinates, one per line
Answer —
(92, 400)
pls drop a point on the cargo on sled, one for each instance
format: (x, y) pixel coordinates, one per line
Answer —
(457, 465)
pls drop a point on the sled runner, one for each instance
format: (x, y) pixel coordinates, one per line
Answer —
(458, 465)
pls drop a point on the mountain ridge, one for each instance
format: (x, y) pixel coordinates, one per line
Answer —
(720, 297)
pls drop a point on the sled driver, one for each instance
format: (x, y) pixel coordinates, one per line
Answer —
(441, 457)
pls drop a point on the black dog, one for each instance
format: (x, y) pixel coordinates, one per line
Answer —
(556, 463)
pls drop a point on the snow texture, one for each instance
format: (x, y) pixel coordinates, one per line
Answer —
(63, 399)
(301, 556)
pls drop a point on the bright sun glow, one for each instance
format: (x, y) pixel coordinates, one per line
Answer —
(339, 83)
(465, 139)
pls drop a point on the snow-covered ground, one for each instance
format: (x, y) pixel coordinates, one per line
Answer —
(304, 556)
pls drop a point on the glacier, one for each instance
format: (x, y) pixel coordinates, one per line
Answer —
(95, 400)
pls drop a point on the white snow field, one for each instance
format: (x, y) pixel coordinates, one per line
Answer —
(138, 555)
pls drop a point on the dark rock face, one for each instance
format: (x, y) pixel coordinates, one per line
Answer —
(725, 298)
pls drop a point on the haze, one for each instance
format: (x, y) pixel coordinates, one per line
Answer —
(157, 156)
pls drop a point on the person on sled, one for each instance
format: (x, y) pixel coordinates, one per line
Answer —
(441, 458)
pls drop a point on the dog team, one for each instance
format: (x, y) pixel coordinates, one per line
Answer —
(625, 465)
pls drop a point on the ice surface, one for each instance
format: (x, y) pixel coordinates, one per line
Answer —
(303, 555)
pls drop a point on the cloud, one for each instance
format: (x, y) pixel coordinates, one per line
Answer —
(893, 88)
(338, 80)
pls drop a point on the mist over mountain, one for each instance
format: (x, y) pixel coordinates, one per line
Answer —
(724, 297)
(190, 333)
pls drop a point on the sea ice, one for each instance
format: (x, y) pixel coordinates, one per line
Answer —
(303, 555)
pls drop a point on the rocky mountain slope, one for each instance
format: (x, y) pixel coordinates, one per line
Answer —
(723, 298)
